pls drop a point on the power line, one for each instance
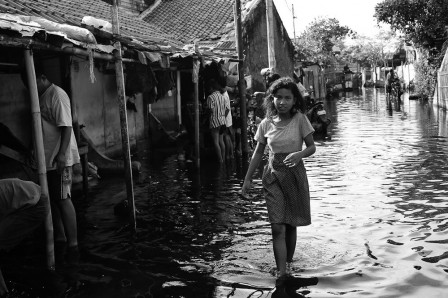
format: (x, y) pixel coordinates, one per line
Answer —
(287, 5)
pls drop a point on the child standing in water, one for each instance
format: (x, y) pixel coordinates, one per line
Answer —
(285, 183)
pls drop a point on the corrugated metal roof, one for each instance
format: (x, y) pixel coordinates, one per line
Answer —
(71, 12)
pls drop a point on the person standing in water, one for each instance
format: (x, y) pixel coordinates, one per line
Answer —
(285, 184)
(216, 104)
(61, 153)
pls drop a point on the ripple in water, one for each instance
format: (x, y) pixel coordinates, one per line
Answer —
(379, 210)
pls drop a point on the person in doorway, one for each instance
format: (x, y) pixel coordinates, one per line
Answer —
(22, 210)
(61, 153)
(216, 103)
(285, 184)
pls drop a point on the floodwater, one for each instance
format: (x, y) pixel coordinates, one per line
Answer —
(379, 198)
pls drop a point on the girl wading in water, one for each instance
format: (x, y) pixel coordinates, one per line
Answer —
(285, 183)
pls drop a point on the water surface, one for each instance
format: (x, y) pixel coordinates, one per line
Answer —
(379, 208)
(379, 211)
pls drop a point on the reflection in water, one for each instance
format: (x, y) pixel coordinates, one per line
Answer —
(379, 210)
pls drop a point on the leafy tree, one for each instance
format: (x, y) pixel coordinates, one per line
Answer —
(369, 51)
(424, 23)
(425, 75)
(317, 41)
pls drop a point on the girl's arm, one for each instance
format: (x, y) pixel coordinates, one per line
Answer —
(294, 158)
(310, 146)
(256, 158)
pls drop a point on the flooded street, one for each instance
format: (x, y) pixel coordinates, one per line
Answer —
(379, 201)
(379, 209)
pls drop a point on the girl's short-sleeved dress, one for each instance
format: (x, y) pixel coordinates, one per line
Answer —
(285, 189)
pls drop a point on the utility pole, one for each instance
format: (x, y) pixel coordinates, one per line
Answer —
(294, 23)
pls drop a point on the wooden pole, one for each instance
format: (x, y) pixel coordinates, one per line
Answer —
(270, 34)
(40, 155)
(123, 117)
(241, 85)
(439, 91)
(196, 112)
(179, 99)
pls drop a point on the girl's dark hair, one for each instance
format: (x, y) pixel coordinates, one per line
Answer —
(283, 83)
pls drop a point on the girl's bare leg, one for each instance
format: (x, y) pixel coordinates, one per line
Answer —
(291, 240)
(279, 244)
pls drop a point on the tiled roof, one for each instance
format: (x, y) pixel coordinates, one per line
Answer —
(72, 11)
(189, 20)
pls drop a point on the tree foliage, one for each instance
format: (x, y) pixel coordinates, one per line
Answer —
(422, 21)
(371, 51)
(425, 75)
(316, 43)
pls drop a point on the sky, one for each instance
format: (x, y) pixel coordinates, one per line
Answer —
(356, 14)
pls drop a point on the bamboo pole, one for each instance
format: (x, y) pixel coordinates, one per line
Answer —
(39, 148)
(123, 117)
(196, 112)
(241, 85)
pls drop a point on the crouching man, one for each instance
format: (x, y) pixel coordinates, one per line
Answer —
(22, 210)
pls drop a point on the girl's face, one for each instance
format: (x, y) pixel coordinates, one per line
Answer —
(284, 101)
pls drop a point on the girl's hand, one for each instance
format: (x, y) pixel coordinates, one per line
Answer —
(292, 159)
(246, 187)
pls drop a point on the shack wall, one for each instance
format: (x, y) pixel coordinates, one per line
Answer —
(315, 80)
(165, 111)
(15, 107)
(97, 108)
